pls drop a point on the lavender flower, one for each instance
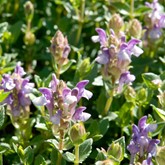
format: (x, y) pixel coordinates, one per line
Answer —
(20, 89)
(141, 143)
(155, 20)
(61, 101)
(115, 56)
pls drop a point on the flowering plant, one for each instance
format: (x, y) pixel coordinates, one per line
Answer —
(82, 82)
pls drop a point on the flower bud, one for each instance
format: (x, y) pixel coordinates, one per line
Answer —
(160, 159)
(84, 67)
(161, 98)
(78, 133)
(135, 28)
(29, 38)
(130, 94)
(116, 22)
(29, 10)
(59, 48)
(105, 162)
(115, 150)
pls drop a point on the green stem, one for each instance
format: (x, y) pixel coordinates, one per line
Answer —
(108, 103)
(76, 162)
(132, 9)
(81, 21)
(61, 145)
(1, 159)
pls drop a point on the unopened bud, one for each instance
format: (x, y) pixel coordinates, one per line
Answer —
(161, 98)
(84, 67)
(130, 94)
(29, 10)
(116, 22)
(160, 159)
(115, 150)
(59, 47)
(78, 133)
(105, 162)
(29, 38)
(135, 28)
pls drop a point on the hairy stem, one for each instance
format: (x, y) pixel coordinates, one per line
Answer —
(76, 162)
(81, 21)
(61, 145)
(132, 9)
(1, 159)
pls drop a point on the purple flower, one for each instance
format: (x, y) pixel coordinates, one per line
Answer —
(115, 56)
(162, 21)
(125, 78)
(55, 119)
(102, 37)
(157, 20)
(104, 57)
(47, 97)
(140, 143)
(82, 91)
(61, 101)
(79, 115)
(148, 161)
(20, 89)
(155, 33)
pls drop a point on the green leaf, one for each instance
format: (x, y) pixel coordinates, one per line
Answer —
(54, 156)
(3, 28)
(160, 112)
(41, 126)
(84, 67)
(20, 151)
(69, 156)
(3, 95)
(2, 116)
(4, 147)
(28, 155)
(101, 155)
(103, 125)
(101, 99)
(97, 137)
(98, 81)
(93, 128)
(123, 8)
(53, 142)
(162, 76)
(111, 116)
(64, 68)
(38, 80)
(121, 141)
(149, 79)
(85, 149)
(15, 30)
(39, 160)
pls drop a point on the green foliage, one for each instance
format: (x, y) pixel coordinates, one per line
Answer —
(25, 35)
(2, 116)
(85, 149)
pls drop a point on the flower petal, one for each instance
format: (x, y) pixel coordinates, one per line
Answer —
(40, 101)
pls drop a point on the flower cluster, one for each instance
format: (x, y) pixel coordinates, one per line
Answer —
(115, 55)
(155, 20)
(19, 88)
(61, 101)
(141, 143)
